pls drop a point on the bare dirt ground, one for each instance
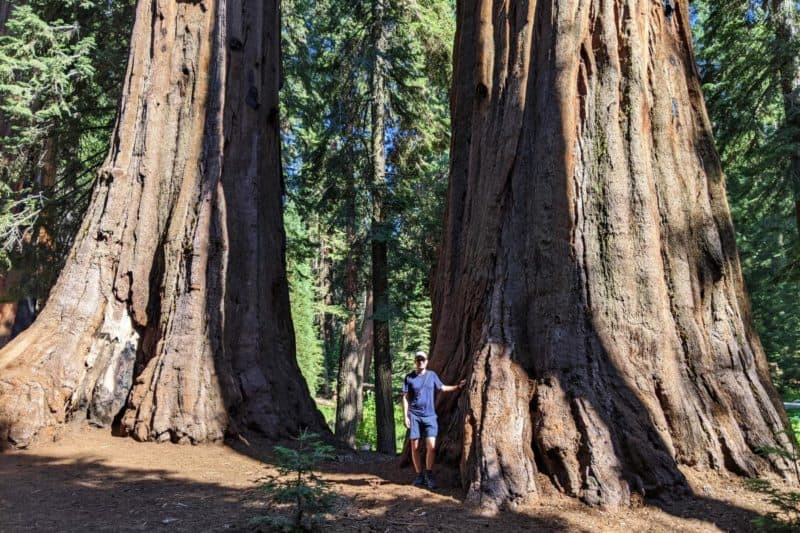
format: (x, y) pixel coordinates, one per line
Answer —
(92, 481)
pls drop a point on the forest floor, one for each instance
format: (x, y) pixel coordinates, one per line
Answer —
(91, 481)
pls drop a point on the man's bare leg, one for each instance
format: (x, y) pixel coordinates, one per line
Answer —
(430, 456)
(415, 455)
(430, 452)
(420, 480)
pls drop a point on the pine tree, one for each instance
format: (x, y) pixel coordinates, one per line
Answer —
(302, 296)
(743, 49)
(331, 60)
(61, 71)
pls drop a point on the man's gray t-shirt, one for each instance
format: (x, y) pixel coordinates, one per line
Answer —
(420, 389)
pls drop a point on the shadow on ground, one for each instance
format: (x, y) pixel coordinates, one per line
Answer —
(207, 488)
(372, 476)
(41, 493)
(49, 493)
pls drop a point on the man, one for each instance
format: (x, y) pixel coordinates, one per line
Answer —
(420, 416)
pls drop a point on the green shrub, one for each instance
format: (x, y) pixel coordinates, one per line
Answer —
(367, 432)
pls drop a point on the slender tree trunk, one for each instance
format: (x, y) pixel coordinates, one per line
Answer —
(588, 284)
(349, 395)
(365, 349)
(173, 305)
(384, 411)
(788, 33)
(326, 319)
(5, 12)
(366, 343)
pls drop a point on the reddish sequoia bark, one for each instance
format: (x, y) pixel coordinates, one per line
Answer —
(588, 284)
(8, 307)
(176, 284)
(8, 314)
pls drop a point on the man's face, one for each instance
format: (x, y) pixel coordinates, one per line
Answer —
(420, 363)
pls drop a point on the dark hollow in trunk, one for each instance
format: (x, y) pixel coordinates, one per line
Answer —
(588, 284)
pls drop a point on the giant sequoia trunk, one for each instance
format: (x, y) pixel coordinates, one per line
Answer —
(172, 310)
(588, 285)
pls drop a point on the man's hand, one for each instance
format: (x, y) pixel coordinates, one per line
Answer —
(407, 422)
(461, 383)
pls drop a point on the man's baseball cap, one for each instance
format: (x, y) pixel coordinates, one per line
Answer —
(420, 356)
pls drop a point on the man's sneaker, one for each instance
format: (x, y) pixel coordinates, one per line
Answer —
(420, 480)
(430, 482)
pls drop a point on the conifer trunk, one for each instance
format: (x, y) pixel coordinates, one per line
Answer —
(325, 319)
(172, 309)
(365, 339)
(384, 409)
(788, 33)
(588, 285)
(5, 12)
(349, 388)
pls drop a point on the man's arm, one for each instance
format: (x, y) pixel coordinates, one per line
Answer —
(459, 386)
(406, 420)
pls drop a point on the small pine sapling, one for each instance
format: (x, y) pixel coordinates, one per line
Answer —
(297, 485)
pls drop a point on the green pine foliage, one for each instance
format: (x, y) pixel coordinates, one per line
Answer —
(328, 57)
(41, 64)
(740, 54)
(302, 295)
(61, 69)
(412, 329)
